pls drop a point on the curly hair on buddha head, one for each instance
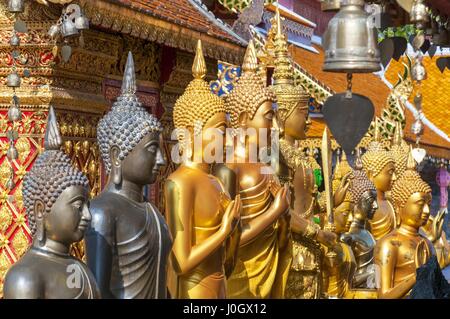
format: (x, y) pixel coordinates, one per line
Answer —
(127, 123)
(51, 174)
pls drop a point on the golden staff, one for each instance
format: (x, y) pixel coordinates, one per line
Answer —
(327, 169)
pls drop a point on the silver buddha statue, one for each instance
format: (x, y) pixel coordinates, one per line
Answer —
(362, 242)
(128, 243)
(56, 201)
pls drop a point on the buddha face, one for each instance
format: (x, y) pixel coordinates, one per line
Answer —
(416, 211)
(383, 180)
(296, 123)
(262, 118)
(213, 129)
(142, 165)
(69, 216)
(343, 217)
(367, 205)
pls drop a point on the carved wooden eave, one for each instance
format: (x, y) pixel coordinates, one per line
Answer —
(125, 20)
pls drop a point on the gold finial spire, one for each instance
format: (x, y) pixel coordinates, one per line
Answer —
(250, 60)
(284, 72)
(278, 22)
(376, 134)
(199, 66)
(398, 136)
(411, 163)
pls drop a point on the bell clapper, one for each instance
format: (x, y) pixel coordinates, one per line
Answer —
(348, 93)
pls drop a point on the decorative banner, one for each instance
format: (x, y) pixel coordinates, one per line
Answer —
(15, 236)
(227, 76)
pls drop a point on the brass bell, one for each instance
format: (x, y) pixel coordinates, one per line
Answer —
(13, 80)
(330, 5)
(418, 72)
(419, 14)
(82, 23)
(14, 113)
(15, 40)
(12, 153)
(68, 29)
(16, 6)
(351, 41)
(54, 30)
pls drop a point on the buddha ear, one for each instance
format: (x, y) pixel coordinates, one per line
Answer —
(370, 174)
(116, 165)
(243, 118)
(39, 211)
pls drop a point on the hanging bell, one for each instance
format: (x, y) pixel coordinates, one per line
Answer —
(54, 30)
(16, 6)
(350, 41)
(418, 71)
(14, 113)
(417, 127)
(419, 14)
(68, 29)
(10, 184)
(15, 40)
(330, 5)
(82, 23)
(12, 152)
(13, 80)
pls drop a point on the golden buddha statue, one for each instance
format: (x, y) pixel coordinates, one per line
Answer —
(399, 150)
(203, 220)
(380, 168)
(363, 194)
(403, 250)
(338, 271)
(297, 171)
(262, 263)
(433, 230)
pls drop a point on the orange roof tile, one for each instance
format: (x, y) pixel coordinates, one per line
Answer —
(435, 91)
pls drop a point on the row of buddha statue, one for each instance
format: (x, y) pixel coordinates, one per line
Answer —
(229, 230)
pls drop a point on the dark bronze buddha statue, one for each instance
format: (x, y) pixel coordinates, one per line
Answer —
(56, 201)
(128, 243)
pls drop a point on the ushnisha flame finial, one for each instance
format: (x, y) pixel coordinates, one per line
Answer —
(376, 134)
(250, 63)
(398, 136)
(52, 139)
(199, 66)
(129, 77)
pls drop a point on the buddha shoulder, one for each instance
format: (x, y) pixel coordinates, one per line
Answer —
(23, 280)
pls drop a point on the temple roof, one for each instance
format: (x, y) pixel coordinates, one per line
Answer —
(174, 23)
(182, 12)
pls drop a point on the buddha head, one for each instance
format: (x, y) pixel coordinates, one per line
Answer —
(343, 218)
(343, 211)
(379, 164)
(399, 150)
(412, 197)
(129, 137)
(363, 193)
(249, 104)
(199, 113)
(55, 193)
(292, 112)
